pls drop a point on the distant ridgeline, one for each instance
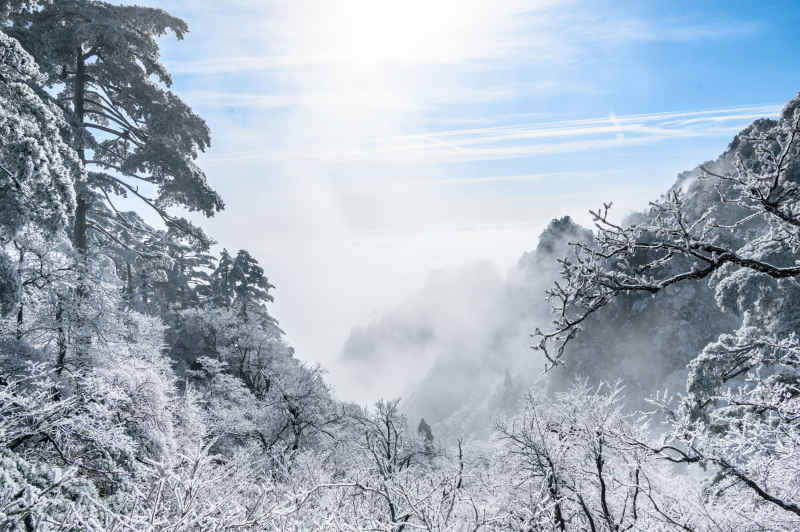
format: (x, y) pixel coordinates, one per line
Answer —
(481, 364)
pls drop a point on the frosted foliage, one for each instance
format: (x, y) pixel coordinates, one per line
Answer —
(145, 385)
(736, 229)
(137, 138)
(577, 461)
(9, 285)
(37, 169)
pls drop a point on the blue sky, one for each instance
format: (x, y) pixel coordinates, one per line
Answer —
(362, 144)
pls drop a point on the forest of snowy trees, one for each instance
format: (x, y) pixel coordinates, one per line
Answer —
(144, 384)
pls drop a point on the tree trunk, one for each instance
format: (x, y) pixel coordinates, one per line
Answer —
(81, 211)
(82, 207)
(129, 283)
(20, 319)
(20, 309)
(82, 340)
(62, 335)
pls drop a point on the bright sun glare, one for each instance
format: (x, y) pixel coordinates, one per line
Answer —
(367, 34)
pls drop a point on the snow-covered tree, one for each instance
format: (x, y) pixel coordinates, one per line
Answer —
(38, 170)
(578, 461)
(131, 132)
(736, 418)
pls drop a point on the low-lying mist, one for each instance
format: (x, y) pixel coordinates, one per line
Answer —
(458, 351)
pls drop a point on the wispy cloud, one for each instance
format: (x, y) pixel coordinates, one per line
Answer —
(592, 29)
(527, 140)
(436, 96)
(576, 135)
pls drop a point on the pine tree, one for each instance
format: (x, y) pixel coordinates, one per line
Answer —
(128, 128)
(424, 431)
(250, 286)
(240, 284)
(219, 291)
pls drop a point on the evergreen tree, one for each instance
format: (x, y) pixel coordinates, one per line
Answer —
(239, 283)
(424, 430)
(128, 128)
(426, 434)
(219, 291)
(250, 286)
(161, 269)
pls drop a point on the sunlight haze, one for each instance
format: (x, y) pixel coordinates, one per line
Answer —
(371, 142)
